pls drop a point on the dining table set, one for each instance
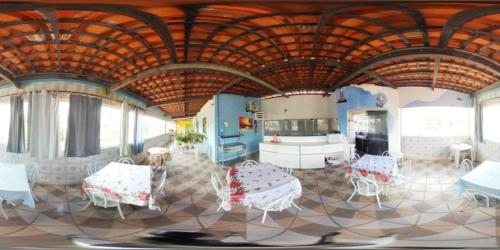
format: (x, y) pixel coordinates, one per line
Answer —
(383, 169)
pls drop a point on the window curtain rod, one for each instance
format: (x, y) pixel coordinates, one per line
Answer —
(71, 92)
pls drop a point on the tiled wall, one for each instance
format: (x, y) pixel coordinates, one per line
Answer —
(488, 150)
(72, 170)
(430, 147)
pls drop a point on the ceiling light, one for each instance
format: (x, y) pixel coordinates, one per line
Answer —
(285, 60)
(312, 57)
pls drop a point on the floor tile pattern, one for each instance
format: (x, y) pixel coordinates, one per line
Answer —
(425, 212)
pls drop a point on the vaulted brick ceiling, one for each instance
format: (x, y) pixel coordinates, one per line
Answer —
(177, 56)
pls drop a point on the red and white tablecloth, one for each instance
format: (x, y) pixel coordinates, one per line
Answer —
(386, 165)
(131, 184)
(260, 185)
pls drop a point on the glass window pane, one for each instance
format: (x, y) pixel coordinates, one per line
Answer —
(5, 122)
(436, 121)
(491, 122)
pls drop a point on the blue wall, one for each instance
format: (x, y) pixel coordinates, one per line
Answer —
(228, 109)
(356, 98)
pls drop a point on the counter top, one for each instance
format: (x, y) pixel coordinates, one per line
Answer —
(301, 143)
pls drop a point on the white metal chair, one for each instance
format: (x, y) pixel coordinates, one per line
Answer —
(92, 169)
(354, 158)
(473, 194)
(223, 193)
(366, 187)
(159, 189)
(32, 175)
(403, 174)
(248, 163)
(279, 205)
(102, 199)
(287, 170)
(126, 160)
(162, 145)
(466, 167)
(1, 209)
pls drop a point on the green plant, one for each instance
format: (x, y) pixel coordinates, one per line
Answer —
(182, 138)
(196, 137)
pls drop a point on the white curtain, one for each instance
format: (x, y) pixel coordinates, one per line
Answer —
(124, 147)
(44, 118)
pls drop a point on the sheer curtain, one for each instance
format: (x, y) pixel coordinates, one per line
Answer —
(43, 128)
(124, 148)
(138, 145)
(84, 125)
(16, 127)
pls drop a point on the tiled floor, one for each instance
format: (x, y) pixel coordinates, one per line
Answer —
(428, 215)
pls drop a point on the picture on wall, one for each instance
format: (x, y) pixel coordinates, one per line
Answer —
(246, 123)
(251, 106)
(204, 124)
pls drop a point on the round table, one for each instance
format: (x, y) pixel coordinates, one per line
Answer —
(158, 155)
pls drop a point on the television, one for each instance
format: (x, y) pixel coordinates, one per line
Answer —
(251, 106)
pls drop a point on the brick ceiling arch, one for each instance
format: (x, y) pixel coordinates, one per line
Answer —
(252, 49)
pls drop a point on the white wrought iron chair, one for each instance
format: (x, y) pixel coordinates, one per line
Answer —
(403, 175)
(2, 210)
(162, 145)
(102, 199)
(126, 160)
(248, 164)
(32, 175)
(92, 169)
(473, 194)
(287, 170)
(466, 166)
(223, 193)
(366, 187)
(160, 188)
(279, 205)
(354, 158)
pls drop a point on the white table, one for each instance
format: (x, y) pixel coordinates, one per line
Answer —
(485, 177)
(458, 149)
(131, 184)
(14, 184)
(263, 184)
(386, 165)
(158, 153)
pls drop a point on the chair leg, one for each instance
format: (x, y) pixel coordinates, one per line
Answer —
(120, 211)
(295, 205)
(378, 201)
(264, 217)
(88, 204)
(352, 195)
(3, 211)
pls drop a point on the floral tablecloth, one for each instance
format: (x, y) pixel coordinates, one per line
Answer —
(386, 165)
(131, 184)
(260, 185)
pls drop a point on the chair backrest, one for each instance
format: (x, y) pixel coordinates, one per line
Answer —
(216, 182)
(126, 160)
(163, 180)
(32, 173)
(466, 166)
(162, 145)
(366, 186)
(385, 153)
(406, 168)
(91, 169)
(248, 163)
(100, 198)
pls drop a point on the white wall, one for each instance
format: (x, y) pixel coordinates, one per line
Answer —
(420, 96)
(299, 107)
(208, 111)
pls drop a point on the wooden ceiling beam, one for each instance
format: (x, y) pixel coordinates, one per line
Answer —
(379, 78)
(9, 77)
(483, 62)
(174, 101)
(457, 20)
(194, 66)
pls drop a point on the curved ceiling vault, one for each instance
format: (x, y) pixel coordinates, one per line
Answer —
(178, 56)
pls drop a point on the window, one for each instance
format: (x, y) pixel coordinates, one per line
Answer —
(131, 126)
(491, 122)
(436, 121)
(153, 126)
(110, 124)
(5, 122)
